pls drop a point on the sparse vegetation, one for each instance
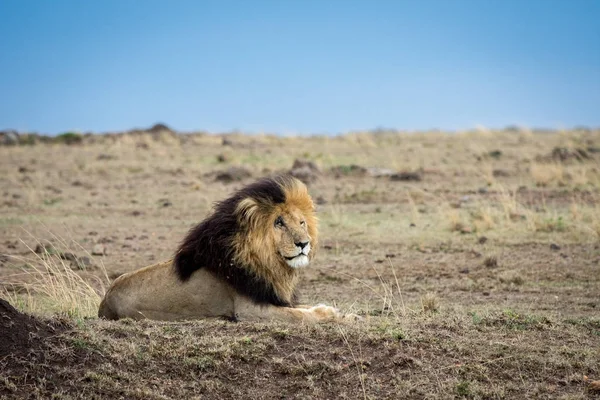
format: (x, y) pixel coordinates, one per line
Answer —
(50, 284)
(477, 281)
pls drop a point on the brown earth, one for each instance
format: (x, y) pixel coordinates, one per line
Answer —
(22, 333)
(473, 283)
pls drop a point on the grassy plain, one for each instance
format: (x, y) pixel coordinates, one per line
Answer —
(474, 258)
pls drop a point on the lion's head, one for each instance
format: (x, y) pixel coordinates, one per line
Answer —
(255, 240)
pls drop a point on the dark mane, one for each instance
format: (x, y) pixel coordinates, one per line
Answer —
(210, 245)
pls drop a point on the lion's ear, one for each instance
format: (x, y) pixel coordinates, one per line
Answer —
(247, 210)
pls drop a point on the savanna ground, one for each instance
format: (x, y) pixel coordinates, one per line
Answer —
(476, 267)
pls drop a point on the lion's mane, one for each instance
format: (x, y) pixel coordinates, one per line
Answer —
(235, 241)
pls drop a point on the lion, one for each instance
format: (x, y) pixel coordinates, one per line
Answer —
(240, 263)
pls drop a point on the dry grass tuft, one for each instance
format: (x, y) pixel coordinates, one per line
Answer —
(483, 219)
(429, 303)
(546, 174)
(49, 284)
(456, 222)
(490, 262)
(511, 277)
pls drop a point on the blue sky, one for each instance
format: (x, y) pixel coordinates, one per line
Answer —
(298, 66)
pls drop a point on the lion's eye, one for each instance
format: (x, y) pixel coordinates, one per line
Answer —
(303, 223)
(279, 222)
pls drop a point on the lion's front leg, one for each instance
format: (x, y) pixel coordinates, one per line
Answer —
(246, 310)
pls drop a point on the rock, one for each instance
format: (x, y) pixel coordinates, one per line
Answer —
(104, 156)
(9, 137)
(379, 172)
(349, 170)
(82, 263)
(302, 163)
(68, 256)
(482, 240)
(53, 189)
(104, 240)
(44, 249)
(562, 154)
(495, 154)
(222, 158)
(466, 229)
(554, 247)
(305, 170)
(304, 174)
(482, 190)
(406, 176)
(233, 174)
(593, 149)
(500, 173)
(99, 250)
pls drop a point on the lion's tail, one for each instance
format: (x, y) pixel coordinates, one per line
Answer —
(106, 311)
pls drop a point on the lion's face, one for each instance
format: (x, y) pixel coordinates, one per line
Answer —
(291, 237)
(274, 234)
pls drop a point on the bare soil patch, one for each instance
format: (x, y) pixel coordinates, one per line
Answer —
(22, 333)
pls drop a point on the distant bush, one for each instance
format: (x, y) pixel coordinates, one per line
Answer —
(69, 138)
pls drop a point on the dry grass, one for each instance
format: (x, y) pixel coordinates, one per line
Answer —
(50, 284)
(472, 283)
(547, 174)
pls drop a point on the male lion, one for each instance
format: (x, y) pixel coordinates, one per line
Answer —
(239, 263)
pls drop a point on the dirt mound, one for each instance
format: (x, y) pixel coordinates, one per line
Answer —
(21, 333)
(305, 170)
(233, 174)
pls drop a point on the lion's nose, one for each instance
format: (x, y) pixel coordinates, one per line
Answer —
(302, 245)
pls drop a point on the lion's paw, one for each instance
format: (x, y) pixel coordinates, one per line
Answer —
(325, 312)
(322, 311)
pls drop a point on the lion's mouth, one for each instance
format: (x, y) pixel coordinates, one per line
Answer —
(299, 261)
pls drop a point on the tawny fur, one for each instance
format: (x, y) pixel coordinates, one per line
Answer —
(247, 271)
